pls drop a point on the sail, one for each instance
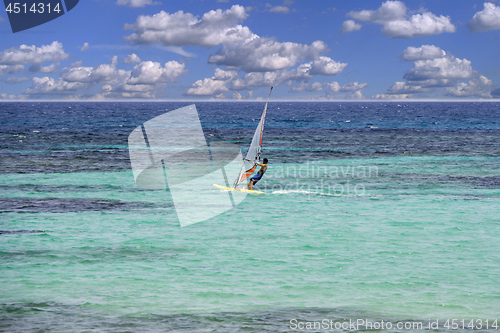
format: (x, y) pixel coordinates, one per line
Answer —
(253, 154)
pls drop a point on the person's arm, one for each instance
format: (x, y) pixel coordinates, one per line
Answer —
(254, 162)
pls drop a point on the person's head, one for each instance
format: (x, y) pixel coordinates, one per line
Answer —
(264, 160)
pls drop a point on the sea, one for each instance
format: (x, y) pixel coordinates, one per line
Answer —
(376, 216)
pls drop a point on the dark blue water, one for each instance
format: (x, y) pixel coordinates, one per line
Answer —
(93, 136)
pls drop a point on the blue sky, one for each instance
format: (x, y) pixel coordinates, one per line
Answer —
(308, 50)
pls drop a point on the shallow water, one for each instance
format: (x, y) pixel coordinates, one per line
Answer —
(373, 211)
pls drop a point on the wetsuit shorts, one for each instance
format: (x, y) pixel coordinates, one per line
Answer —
(257, 177)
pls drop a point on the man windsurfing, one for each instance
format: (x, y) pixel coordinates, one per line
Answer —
(258, 176)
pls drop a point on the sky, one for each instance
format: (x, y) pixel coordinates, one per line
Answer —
(236, 50)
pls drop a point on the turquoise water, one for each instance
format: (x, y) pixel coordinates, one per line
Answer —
(405, 236)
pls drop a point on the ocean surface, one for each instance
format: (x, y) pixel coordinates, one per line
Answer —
(374, 213)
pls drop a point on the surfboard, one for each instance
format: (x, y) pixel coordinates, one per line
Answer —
(237, 189)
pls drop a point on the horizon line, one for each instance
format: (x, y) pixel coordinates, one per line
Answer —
(258, 100)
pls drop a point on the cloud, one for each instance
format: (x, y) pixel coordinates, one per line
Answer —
(350, 25)
(148, 72)
(207, 87)
(326, 66)
(10, 96)
(33, 55)
(310, 86)
(132, 59)
(418, 25)
(424, 52)
(333, 90)
(435, 72)
(495, 93)
(223, 81)
(44, 69)
(124, 90)
(279, 70)
(179, 29)
(283, 9)
(487, 19)
(136, 3)
(9, 70)
(278, 9)
(388, 11)
(400, 88)
(396, 23)
(353, 86)
(48, 85)
(147, 80)
(14, 80)
(265, 62)
(479, 87)
(265, 54)
(96, 75)
(447, 67)
(392, 96)
(244, 60)
(85, 47)
(180, 51)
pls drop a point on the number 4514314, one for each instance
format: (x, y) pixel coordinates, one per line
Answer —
(36, 8)
(471, 324)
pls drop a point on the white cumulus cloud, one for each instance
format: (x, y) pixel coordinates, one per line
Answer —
(418, 25)
(265, 54)
(388, 11)
(132, 59)
(179, 29)
(149, 72)
(147, 80)
(326, 66)
(48, 85)
(207, 87)
(480, 87)
(392, 15)
(350, 25)
(447, 67)
(424, 52)
(437, 72)
(33, 55)
(104, 73)
(487, 19)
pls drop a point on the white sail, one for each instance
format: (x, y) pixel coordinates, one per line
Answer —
(253, 154)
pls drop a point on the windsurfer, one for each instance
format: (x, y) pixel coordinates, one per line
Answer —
(258, 176)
